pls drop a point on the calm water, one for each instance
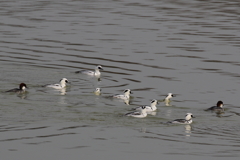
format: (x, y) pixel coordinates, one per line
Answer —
(190, 48)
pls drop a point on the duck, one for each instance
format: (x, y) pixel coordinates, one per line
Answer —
(187, 120)
(168, 97)
(150, 108)
(92, 73)
(218, 107)
(97, 91)
(21, 89)
(141, 113)
(61, 85)
(124, 96)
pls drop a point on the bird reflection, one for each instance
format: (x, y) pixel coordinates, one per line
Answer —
(188, 129)
(143, 130)
(126, 101)
(168, 113)
(62, 100)
(97, 77)
(167, 103)
(22, 95)
(62, 91)
(152, 113)
(219, 113)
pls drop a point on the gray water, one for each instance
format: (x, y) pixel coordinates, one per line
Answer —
(189, 48)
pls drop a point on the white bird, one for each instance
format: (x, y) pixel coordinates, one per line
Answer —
(150, 108)
(138, 114)
(97, 91)
(92, 73)
(169, 96)
(124, 96)
(61, 85)
(187, 120)
(21, 89)
(167, 100)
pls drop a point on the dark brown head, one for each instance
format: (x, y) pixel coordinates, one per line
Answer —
(219, 104)
(22, 86)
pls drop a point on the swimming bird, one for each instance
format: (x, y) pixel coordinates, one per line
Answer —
(150, 108)
(61, 85)
(187, 120)
(124, 96)
(92, 73)
(218, 107)
(21, 89)
(169, 96)
(138, 114)
(167, 100)
(97, 91)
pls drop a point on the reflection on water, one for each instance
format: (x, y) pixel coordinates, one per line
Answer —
(152, 113)
(168, 112)
(188, 130)
(167, 103)
(143, 130)
(22, 95)
(62, 91)
(152, 47)
(62, 100)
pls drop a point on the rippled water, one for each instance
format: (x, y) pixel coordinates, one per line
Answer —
(190, 48)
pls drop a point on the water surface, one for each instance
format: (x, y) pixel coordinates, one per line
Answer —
(190, 48)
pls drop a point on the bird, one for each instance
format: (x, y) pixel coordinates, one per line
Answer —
(167, 100)
(92, 73)
(218, 107)
(61, 85)
(138, 114)
(150, 108)
(187, 120)
(168, 97)
(21, 89)
(124, 96)
(97, 91)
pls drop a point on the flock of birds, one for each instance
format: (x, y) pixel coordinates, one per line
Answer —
(138, 112)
